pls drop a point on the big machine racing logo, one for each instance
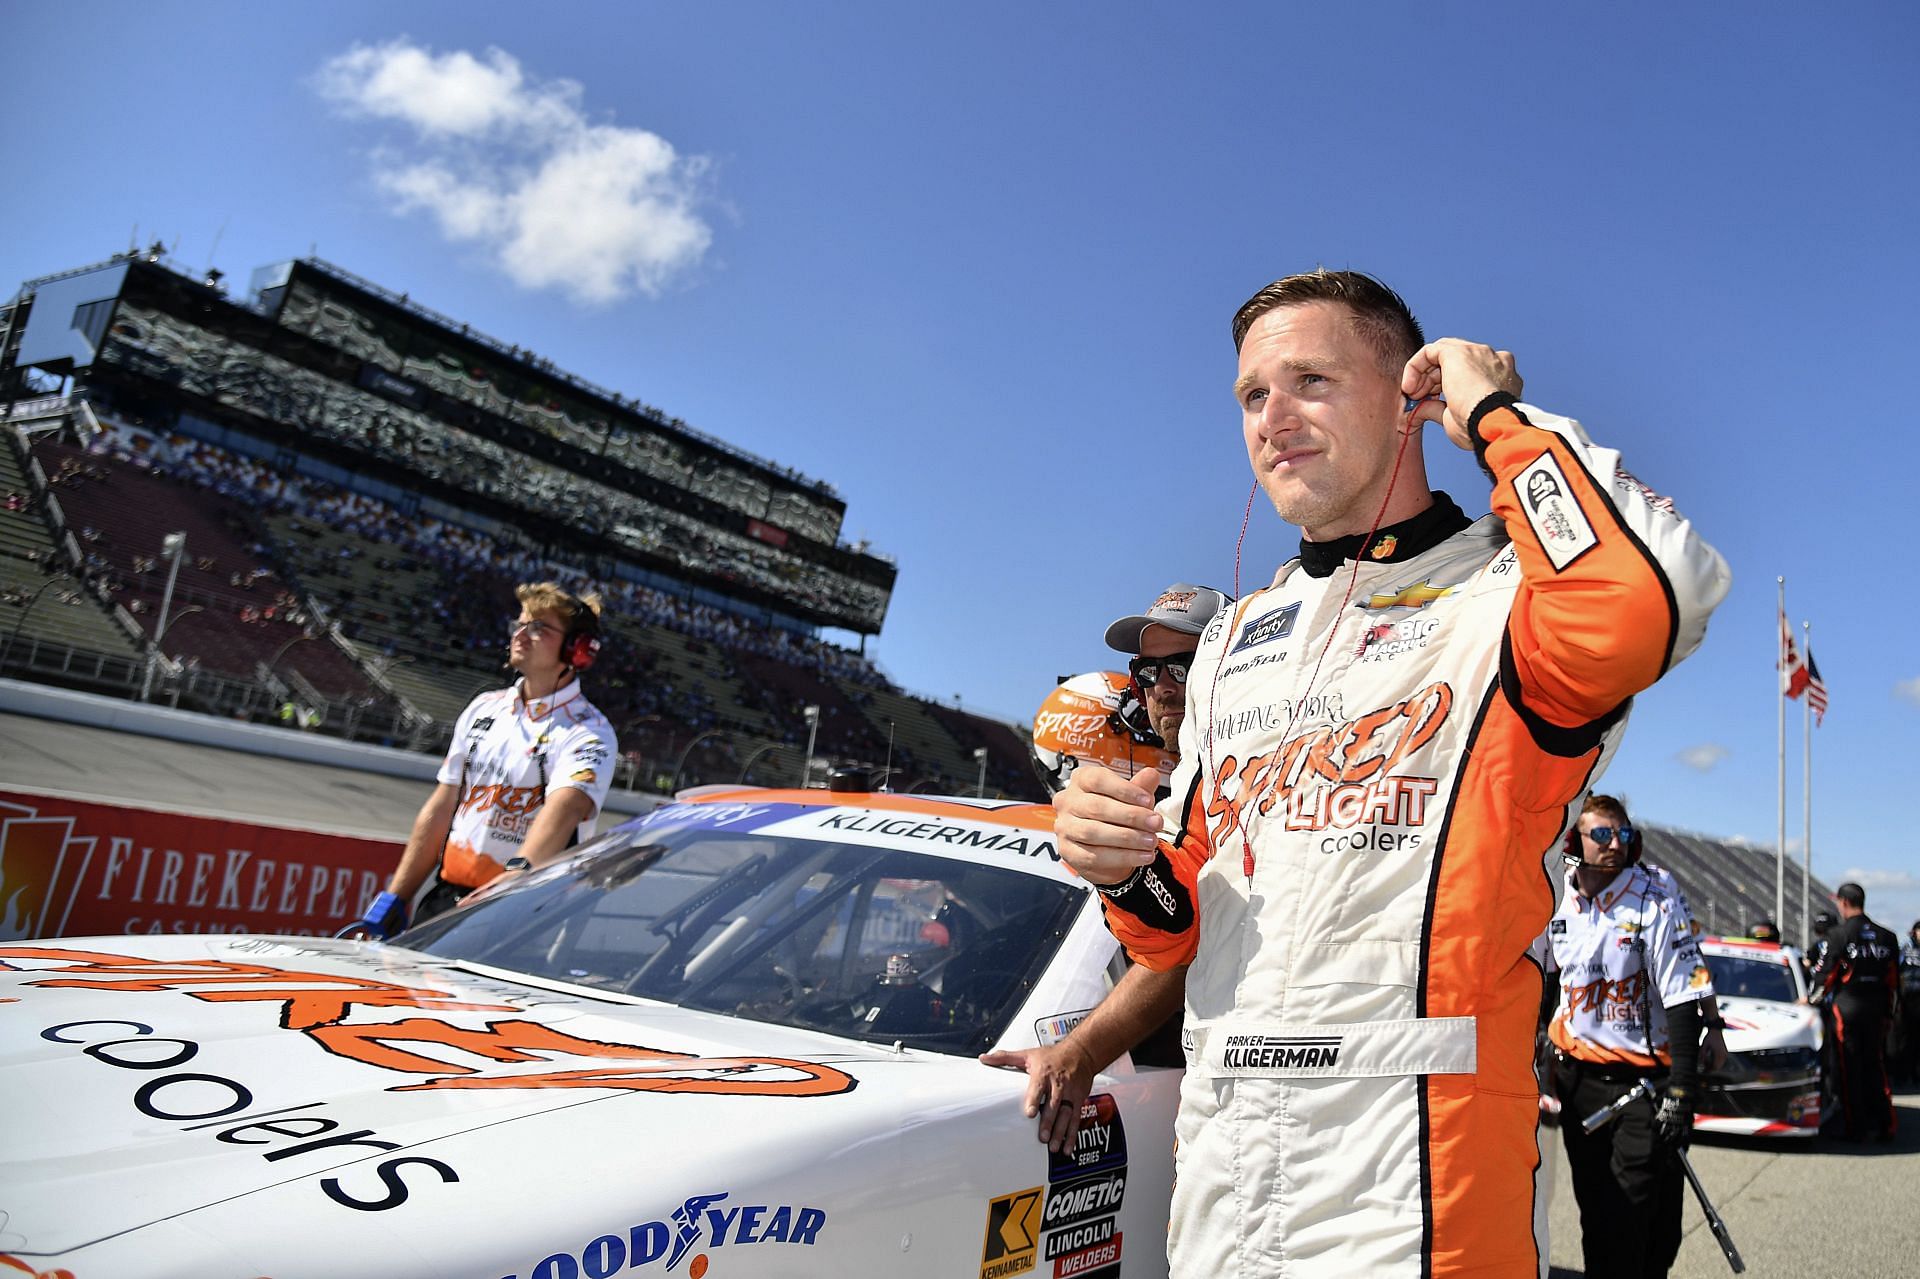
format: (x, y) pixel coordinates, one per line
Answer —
(1338, 777)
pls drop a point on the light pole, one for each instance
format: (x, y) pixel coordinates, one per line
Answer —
(980, 787)
(812, 714)
(754, 758)
(173, 546)
(688, 752)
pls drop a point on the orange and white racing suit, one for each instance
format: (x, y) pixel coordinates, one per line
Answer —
(1355, 862)
(507, 756)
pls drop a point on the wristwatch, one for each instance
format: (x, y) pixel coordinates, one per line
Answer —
(518, 863)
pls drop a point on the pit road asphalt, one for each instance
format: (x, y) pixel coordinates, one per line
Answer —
(1796, 1209)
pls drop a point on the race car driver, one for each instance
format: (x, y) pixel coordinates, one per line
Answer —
(1378, 752)
(525, 775)
(1633, 1002)
(1140, 1012)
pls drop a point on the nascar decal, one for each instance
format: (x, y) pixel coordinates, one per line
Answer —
(1563, 530)
(1051, 1030)
(327, 1008)
(701, 1226)
(1099, 1146)
(1339, 776)
(1013, 1234)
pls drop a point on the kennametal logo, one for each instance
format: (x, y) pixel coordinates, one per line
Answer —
(1272, 1052)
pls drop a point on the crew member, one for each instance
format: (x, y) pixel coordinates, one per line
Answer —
(525, 775)
(1859, 971)
(1140, 1014)
(1633, 987)
(1906, 1062)
(1381, 749)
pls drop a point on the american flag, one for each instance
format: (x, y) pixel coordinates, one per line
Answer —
(1816, 689)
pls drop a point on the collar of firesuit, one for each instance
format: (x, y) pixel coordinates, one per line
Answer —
(1388, 545)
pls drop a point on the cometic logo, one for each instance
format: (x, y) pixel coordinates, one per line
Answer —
(1076, 1201)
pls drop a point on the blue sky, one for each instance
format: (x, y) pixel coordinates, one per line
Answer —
(975, 267)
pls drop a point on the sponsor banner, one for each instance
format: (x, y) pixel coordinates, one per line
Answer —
(1075, 1201)
(1013, 1234)
(1099, 1146)
(69, 868)
(943, 836)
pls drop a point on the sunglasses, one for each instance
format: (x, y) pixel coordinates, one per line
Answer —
(1146, 671)
(1604, 835)
(534, 630)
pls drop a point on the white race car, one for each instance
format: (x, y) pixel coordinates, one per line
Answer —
(1770, 1086)
(735, 1037)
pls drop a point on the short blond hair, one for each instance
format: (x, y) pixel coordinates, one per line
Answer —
(581, 613)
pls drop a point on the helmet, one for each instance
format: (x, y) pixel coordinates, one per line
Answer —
(1086, 720)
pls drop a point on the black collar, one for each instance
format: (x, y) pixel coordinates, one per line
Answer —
(1388, 545)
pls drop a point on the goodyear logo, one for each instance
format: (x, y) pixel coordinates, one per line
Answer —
(1013, 1234)
(1271, 626)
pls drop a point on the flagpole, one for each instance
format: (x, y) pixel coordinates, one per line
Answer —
(1780, 695)
(1806, 790)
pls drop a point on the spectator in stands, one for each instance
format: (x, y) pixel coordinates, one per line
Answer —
(1060, 1076)
(526, 774)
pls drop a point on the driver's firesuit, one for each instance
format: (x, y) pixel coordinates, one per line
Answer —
(1370, 780)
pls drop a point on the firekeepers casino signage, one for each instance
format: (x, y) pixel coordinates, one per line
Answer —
(70, 869)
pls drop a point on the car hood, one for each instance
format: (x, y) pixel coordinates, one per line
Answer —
(146, 1078)
(1765, 1023)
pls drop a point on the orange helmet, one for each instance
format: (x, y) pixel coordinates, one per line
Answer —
(1083, 721)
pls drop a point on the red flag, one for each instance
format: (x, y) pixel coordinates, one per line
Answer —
(1816, 689)
(1793, 672)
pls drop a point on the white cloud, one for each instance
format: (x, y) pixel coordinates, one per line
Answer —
(1703, 757)
(595, 210)
(1892, 881)
(1908, 690)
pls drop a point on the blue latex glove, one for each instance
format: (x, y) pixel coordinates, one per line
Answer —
(387, 916)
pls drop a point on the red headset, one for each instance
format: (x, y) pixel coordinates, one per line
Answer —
(581, 645)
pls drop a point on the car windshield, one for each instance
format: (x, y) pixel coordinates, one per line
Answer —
(1752, 978)
(879, 944)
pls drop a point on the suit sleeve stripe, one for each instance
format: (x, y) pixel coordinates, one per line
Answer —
(1569, 742)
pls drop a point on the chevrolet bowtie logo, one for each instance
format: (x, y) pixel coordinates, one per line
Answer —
(1418, 595)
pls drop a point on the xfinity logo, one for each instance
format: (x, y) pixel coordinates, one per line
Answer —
(1274, 625)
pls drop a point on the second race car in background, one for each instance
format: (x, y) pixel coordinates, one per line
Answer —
(1770, 1085)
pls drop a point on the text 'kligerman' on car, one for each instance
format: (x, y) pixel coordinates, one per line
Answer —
(735, 1037)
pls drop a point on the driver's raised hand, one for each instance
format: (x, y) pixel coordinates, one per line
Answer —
(1450, 377)
(1105, 823)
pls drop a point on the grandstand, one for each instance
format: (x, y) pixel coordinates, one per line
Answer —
(361, 481)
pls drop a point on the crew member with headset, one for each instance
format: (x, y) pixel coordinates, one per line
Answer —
(1859, 971)
(1619, 936)
(525, 775)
